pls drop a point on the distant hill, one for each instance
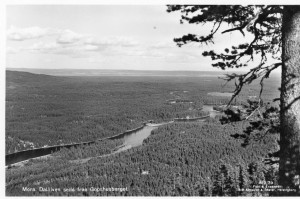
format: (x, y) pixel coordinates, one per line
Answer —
(20, 77)
(17, 80)
(106, 72)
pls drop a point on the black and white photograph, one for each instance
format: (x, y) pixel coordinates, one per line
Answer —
(141, 98)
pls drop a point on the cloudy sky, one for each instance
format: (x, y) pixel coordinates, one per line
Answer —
(138, 37)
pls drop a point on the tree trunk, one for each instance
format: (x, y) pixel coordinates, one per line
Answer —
(289, 164)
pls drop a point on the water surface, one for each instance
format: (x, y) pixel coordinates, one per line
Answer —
(220, 94)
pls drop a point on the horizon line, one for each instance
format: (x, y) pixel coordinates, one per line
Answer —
(126, 69)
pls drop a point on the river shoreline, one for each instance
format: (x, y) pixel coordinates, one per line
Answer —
(24, 155)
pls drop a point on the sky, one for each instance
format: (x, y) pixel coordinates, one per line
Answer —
(132, 37)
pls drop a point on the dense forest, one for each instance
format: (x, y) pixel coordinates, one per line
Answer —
(177, 159)
(182, 158)
(43, 110)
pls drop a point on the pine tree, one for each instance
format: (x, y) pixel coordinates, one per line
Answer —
(242, 178)
(276, 33)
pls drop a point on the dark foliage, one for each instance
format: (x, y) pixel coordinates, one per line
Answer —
(180, 159)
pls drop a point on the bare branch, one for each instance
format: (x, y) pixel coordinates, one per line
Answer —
(240, 28)
(250, 76)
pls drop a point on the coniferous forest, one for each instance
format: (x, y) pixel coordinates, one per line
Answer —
(193, 158)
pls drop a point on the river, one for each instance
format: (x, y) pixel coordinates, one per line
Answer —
(132, 138)
(209, 108)
(136, 138)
